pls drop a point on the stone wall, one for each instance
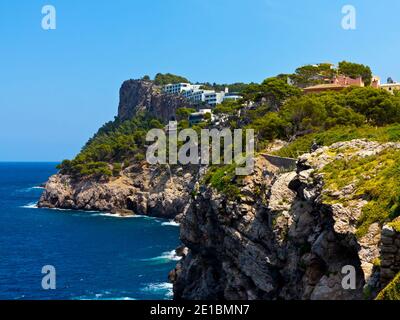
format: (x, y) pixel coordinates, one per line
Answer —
(390, 254)
(281, 162)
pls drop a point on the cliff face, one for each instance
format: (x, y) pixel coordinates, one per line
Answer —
(141, 189)
(139, 95)
(280, 240)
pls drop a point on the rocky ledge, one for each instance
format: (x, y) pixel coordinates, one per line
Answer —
(141, 189)
(280, 239)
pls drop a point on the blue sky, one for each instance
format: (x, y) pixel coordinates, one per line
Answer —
(58, 87)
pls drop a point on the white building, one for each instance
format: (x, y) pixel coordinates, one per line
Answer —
(177, 88)
(204, 111)
(213, 98)
(232, 96)
(195, 94)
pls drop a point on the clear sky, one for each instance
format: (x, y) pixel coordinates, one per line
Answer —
(57, 87)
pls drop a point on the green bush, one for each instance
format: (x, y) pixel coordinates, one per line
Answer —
(223, 179)
(375, 179)
(117, 167)
(167, 78)
(114, 143)
(392, 290)
(340, 133)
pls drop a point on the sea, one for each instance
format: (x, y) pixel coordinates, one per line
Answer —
(64, 254)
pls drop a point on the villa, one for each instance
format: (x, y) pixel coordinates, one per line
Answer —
(391, 87)
(337, 84)
(342, 82)
(194, 93)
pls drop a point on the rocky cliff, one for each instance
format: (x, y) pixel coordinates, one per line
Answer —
(286, 235)
(139, 95)
(141, 189)
(281, 239)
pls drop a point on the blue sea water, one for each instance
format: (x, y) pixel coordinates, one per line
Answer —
(96, 256)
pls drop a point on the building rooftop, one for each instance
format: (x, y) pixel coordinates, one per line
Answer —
(327, 86)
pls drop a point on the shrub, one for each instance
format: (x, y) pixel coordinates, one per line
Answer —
(223, 179)
(115, 143)
(392, 290)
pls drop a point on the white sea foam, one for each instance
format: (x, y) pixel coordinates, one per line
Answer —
(171, 255)
(161, 287)
(107, 214)
(171, 223)
(29, 189)
(103, 296)
(31, 205)
(59, 209)
(121, 298)
(165, 257)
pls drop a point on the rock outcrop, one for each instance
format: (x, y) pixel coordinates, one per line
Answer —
(140, 95)
(280, 240)
(141, 189)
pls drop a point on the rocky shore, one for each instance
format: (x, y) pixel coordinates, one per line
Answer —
(141, 189)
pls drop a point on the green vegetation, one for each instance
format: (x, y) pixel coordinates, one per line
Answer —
(280, 111)
(310, 75)
(341, 133)
(114, 143)
(183, 113)
(163, 79)
(395, 225)
(228, 107)
(275, 91)
(355, 70)
(224, 179)
(303, 115)
(237, 87)
(392, 290)
(375, 179)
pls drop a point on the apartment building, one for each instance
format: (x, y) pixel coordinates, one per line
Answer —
(197, 95)
(213, 98)
(177, 88)
(232, 96)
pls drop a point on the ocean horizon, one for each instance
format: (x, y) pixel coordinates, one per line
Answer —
(96, 255)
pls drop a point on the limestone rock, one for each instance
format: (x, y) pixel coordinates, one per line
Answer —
(157, 194)
(284, 242)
